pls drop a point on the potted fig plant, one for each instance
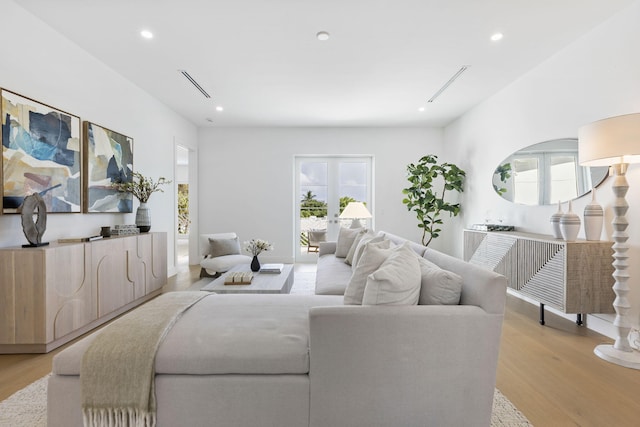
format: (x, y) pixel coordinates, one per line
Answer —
(423, 198)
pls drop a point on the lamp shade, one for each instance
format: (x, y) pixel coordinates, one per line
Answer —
(610, 141)
(355, 210)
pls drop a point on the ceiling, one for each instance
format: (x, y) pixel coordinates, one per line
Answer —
(261, 61)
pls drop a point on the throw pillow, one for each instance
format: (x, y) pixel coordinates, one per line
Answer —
(438, 286)
(357, 254)
(221, 247)
(396, 282)
(373, 256)
(346, 236)
(359, 238)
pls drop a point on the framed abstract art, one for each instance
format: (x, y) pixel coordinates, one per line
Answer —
(108, 160)
(41, 153)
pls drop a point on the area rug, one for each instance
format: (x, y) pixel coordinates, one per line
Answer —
(28, 408)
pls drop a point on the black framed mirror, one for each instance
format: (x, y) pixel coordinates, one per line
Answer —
(546, 173)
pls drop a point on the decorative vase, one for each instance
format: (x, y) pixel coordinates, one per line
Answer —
(143, 219)
(555, 222)
(593, 219)
(570, 225)
(255, 263)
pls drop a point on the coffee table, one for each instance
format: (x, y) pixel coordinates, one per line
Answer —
(262, 283)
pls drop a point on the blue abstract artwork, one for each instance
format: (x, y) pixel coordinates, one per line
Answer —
(41, 153)
(109, 160)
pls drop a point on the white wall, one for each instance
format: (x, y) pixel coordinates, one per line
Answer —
(247, 177)
(596, 77)
(39, 63)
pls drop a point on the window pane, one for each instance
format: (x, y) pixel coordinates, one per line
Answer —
(526, 181)
(563, 178)
(352, 183)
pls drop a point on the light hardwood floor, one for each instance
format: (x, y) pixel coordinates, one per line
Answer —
(549, 372)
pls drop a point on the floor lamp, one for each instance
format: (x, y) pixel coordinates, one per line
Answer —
(355, 211)
(615, 142)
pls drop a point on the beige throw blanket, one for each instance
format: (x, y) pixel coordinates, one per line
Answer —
(117, 373)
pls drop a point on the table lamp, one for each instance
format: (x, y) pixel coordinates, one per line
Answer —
(355, 211)
(615, 142)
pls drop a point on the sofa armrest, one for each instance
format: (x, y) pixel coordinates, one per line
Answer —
(480, 286)
(326, 248)
(409, 366)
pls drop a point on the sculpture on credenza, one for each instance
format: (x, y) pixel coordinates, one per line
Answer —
(34, 206)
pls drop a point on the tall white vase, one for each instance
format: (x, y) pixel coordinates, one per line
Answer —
(570, 225)
(593, 219)
(555, 222)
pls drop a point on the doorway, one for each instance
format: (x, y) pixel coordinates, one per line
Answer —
(324, 187)
(183, 219)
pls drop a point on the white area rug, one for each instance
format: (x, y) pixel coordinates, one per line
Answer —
(28, 408)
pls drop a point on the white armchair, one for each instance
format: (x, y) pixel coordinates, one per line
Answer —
(228, 254)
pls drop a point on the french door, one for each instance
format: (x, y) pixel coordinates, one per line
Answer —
(324, 186)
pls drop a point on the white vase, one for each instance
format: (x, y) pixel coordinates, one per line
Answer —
(143, 219)
(555, 222)
(570, 225)
(593, 219)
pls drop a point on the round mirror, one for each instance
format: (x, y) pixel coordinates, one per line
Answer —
(546, 173)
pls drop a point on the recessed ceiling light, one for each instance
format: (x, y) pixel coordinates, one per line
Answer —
(146, 34)
(421, 109)
(322, 35)
(219, 108)
(497, 36)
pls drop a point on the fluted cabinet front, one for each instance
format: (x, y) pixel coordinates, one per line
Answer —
(573, 277)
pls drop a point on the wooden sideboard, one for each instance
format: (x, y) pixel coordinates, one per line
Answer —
(52, 294)
(573, 277)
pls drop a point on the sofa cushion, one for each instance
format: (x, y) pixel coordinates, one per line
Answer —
(417, 247)
(346, 236)
(360, 247)
(332, 275)
(222, 247)
(373, 256)
(229, 334)
(397, 281)
(439, 286)
(365, 235)
(224, 263)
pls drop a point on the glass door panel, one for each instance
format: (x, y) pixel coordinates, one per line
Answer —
(324, 187)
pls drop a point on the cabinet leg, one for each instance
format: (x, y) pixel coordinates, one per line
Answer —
(579, 319)
(541, 314)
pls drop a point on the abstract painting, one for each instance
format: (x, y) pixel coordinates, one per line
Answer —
(108, 159)
(41, 153)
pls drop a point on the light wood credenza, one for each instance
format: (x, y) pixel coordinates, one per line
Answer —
(52, 294)
(572, 277)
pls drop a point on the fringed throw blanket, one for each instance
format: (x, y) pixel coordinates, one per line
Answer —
(117, 373)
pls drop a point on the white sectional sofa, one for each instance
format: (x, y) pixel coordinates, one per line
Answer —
(293, 360)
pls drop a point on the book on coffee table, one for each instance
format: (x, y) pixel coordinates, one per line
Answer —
(238, 278)
(271, 268)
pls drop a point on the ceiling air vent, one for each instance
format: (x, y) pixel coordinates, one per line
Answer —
(195, 83)
(448, 83)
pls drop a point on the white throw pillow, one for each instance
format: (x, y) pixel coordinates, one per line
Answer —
(357, 254)
(368, 235)
(438, 286)
(373, 256)
(346, 236)
(397, 281)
